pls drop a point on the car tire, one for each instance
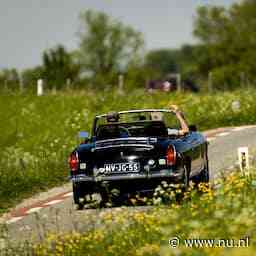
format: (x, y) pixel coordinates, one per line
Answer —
(185, 180)
(203, 176)
(80, 206)
(184, 183)
(77, 194)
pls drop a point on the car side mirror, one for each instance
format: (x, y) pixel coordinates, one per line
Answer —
(192, 128)
(84, 136)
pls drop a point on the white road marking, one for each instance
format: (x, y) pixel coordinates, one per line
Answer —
(223, 134)
(211, 139)
(68, 194)
(53, 202)
(35, 209)
(239, 129)
(13, 220)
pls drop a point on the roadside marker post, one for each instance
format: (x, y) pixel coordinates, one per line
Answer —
(243, 157)
(236, 106)
(40, 87)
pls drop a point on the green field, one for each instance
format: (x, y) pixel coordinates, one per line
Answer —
(37, 133)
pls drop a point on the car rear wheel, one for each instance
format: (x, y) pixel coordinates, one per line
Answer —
(78, 196)
(203, 176)
(184, 183)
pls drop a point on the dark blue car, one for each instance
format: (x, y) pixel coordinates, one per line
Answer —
(133, 152)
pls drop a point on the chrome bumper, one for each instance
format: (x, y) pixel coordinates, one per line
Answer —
(177, 175)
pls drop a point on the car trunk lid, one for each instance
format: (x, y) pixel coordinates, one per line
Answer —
(125, 155)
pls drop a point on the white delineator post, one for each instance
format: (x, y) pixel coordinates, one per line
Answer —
(235, 105)
(40, 87)
(243, 157)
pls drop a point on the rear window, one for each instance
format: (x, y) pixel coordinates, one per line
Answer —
(135, 124)
(134, 129)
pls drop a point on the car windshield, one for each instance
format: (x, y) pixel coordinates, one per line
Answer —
(142, 124)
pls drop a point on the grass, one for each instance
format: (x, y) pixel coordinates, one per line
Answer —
(221, 214)
(37, 133)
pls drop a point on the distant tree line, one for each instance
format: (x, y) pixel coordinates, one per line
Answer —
(107, 48)
(228, 38)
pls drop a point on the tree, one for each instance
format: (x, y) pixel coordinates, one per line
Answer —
(184, 60)
(162, 61)
(107, 45)
(228, 37)
(59, 67)
(31, 75)
(9, 78)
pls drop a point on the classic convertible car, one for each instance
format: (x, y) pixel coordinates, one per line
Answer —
(133, 152)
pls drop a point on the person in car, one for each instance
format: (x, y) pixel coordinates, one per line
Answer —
(184, 126)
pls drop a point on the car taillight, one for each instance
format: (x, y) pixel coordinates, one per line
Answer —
(171, 155)
(73, 161)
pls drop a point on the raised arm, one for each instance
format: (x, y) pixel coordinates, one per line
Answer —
(184, 126)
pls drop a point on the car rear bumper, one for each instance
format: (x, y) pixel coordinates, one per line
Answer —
(126, 184)
(144, 184)
(175, 175)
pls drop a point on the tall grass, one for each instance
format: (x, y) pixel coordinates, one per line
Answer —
(37, 133)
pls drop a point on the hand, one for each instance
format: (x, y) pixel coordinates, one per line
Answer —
(182, 133)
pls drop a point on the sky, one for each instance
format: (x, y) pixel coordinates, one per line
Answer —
(28, 27)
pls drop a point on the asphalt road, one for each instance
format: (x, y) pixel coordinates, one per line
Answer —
(60, 215)
(223, 147)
